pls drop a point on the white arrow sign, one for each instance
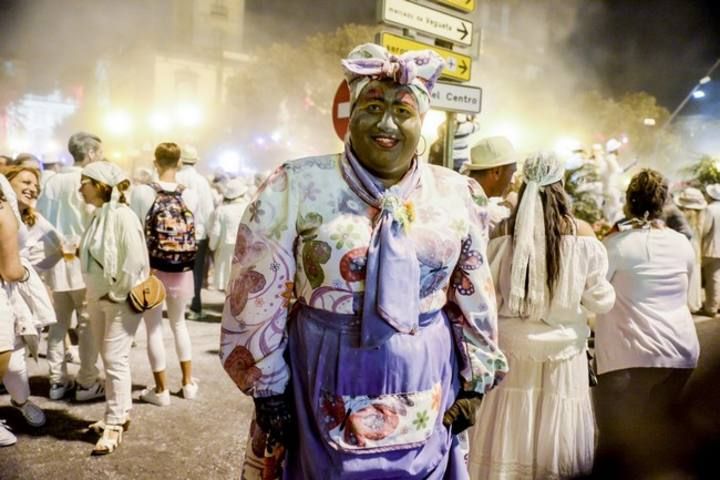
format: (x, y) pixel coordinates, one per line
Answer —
(427, 20)
(456, 98)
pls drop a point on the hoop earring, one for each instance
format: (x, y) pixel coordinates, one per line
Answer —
(420, 154)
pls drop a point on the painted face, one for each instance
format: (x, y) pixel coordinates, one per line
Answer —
(90, 193)
(385, 128)
(25, 185)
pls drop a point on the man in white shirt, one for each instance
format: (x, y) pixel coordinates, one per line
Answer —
(711, 251)
(61, 204)
(190, 177)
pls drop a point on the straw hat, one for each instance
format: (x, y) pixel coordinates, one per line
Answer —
(713, 191)
(490, 152)
(690, 198)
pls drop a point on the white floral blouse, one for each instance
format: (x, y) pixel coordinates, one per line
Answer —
(305, 238)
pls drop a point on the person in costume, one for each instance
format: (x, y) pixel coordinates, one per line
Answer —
(360, 311)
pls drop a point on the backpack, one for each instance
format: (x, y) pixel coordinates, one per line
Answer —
(170, 231)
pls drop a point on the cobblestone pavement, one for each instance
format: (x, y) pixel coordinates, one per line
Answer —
(200, 439)
(190, 439)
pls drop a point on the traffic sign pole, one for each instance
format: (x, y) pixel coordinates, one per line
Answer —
(449, 139)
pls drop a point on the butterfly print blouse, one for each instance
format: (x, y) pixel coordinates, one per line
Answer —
(306, 235)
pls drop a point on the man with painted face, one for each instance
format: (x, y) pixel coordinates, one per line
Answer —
(360, 311)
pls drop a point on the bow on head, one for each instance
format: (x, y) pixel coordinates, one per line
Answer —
(418, 69)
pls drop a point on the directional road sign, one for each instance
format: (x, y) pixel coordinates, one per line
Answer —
(466, 6)
(456, 98)
(457, 66)
(430, 21)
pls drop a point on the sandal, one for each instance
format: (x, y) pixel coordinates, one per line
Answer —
(110, 440)
(99, 426)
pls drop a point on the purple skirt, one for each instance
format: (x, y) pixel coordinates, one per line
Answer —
(372, 413)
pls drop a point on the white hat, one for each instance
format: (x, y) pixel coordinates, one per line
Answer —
(690, 198)
(235, 188)
(50, 159)
(713, 191)
(189, 155)
(490, 152)
(612, 145)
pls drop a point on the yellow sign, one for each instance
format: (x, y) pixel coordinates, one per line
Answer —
(462, 5)
(457, 66)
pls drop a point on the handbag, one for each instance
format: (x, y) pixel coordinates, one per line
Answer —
(147, 295)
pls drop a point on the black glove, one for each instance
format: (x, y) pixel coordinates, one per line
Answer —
(275, 415)
(461, 414)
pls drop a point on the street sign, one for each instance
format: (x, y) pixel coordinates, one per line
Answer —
(430, 21)
(466, 6)
(341, 110)
(456, 98)
(457, 66)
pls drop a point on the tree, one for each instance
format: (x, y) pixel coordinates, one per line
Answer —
(289, 91)
(704, 172)
(607, 118)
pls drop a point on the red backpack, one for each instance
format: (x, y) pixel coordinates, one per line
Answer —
(170, 231)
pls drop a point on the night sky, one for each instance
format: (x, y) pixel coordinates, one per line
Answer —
(661, 46)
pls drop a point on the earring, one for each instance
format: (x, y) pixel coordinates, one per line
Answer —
(424, 142)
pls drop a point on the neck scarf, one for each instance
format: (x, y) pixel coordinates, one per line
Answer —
(529, 253)
(391, 302)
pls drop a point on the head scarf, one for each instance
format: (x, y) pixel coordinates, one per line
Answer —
(102, 246)
(529, 260)
(418, 69)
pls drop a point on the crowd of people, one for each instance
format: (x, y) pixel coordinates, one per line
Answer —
(79, 233)
(390, 318)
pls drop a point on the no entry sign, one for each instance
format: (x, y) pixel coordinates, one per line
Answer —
(341, 110)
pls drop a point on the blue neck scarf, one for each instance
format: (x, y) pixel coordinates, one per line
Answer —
(391, 301)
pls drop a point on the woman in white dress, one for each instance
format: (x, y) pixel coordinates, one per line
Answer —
(647, 345)
(42, 248)
(692, 203)
(223, 229)
(11, 270)
(549, 271)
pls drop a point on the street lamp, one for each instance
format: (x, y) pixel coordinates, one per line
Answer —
(694, 93)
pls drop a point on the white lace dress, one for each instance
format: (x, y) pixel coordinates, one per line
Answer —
(539, 423)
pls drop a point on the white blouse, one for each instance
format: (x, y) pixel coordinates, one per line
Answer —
(650, 324)
(581, 288)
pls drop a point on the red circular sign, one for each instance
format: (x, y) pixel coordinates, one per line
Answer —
(341, 110)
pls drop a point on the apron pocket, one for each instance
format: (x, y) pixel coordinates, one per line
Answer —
(369, 424)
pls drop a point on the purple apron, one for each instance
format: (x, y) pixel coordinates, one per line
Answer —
(372, 413)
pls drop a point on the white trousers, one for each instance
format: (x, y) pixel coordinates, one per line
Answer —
(116, 325)
(154, 327)
(711, 276)
(65, 304)
(16, 378)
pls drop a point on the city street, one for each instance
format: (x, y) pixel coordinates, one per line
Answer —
(204, 438)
